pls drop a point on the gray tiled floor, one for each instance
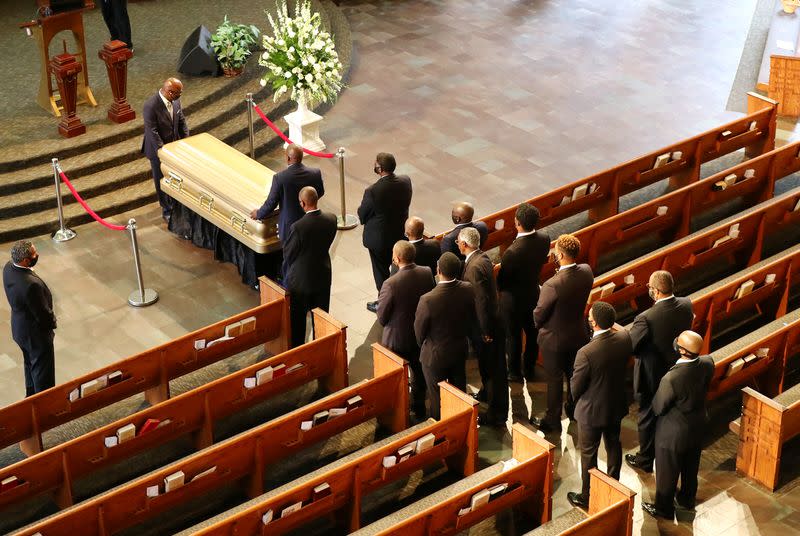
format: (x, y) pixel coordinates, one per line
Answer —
(491, 101)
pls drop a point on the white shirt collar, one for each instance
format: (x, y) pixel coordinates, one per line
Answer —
(566, 266)
(446, 282)
(686, 360)
(526, 233)
(667, 298)
(466, 260)
(23, 267)
(415, 241)
(598, 332)
(310, 211)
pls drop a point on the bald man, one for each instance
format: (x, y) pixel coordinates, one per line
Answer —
(427, 250)
(680, 407)
(163, 122)
(284, 192)
(462, 214)
(307, 256)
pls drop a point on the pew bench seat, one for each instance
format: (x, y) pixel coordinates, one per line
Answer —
(560, 524)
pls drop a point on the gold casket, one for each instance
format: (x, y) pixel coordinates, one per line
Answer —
(221, 185)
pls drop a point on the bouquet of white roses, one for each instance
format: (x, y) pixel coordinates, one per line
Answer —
(300, 57)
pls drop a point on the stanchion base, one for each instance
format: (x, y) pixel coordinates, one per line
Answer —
(150, 297)
(349, 222)
(62, 235)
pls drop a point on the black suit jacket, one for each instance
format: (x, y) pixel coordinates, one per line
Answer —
(680, 403)
(306, 253)
(520, 266)
(159, 128)
(427, 255)
(652, 333)
(31, 304)
(449, 240)
(559, 312)
(443, 323)
(598, 380)
(397, 305)
(384, 210)
(285, 189)
(479, 272)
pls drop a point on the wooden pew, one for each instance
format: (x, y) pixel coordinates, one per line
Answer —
(245, 457)
(755, 132)
(670, 216)
(765, 352)
(359, 474)
(530, 485)
(610, 512)
(194, 412)
(149, 372)
(736, 241)
(766, 425)
(763, 288)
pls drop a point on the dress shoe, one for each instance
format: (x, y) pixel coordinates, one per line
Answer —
(372, 306)
(480, 396)
(576, 499)
(635, 461)
(514, 378)
(487, 419)
(545, 426)
(651, 509)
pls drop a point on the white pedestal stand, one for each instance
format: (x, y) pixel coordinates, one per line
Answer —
(304, 127)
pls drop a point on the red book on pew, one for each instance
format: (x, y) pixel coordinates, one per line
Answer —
(149, 425)
(278, 370)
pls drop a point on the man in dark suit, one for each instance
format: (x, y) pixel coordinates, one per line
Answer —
(163, 122)
(562, 327)
(383, 212)
(309, 263)
(518, 283)
(443, 322)
(32, 317)
(680, 404)
(462, 214)
(397, 305)
(284, 192)
(428, 251)
(598, 385)
(487, 339)
(652, 334)
(115, 13)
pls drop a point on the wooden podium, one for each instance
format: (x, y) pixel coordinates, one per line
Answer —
(54, 17)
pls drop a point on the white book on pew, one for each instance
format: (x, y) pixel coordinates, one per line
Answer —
(796, 206)
(745, 289)
(292, 508)
(497, 490)
(336, 412)
(152, 491)
(249, 383)
(735, 366)
(749, 173)
(87, 388)
(207, 472)
(110, 441)
(479, 499)
(102, 381)
(199, 344)
(425, 442)
(389, 461)
(661, 160)
(173, 481)
(126, 432)
(594, 294)
(579, 191)
(660, 211)
(607, 289)
(464, 511)
(753, 125)
(730, 180)
(217, 341)
(233, 330)
(721, 240)
(296, 366)
(770, 279)
(726, 133)
(629, 279)
(74, 395)
(267, 517)
(264, 375)
(509, 464)
(676, 155)
(565, 201)
(306, 425)
(762, 352)
(248, 324)
(749, 358)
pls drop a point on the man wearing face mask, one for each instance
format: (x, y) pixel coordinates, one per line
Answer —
(562, 328)
(680, 404)
(652, 333)
(32, 317)
(383, 213)
(462, 214)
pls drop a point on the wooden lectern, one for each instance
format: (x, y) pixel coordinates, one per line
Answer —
(56, 16)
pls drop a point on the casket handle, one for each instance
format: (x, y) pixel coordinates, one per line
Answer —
(174, 181)
(206, 200)
(238, 222)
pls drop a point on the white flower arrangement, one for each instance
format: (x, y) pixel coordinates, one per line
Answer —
(299, 57)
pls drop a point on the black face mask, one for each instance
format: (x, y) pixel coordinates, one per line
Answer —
(685, 353)
(33, 261)
(377, 169)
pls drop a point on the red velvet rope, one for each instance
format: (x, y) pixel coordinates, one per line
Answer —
(91, 212)
(280, 133)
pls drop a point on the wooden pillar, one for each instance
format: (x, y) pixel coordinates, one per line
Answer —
(66, 69)
(116, 54)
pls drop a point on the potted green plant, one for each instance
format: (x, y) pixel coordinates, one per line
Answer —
(233, 43)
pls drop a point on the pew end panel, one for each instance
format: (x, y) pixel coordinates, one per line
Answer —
(606, 492)
(325, 324)
(454, 402)
(527, 445)
(270, 291)
(759, 451)
(768, 123)
(384, 361)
